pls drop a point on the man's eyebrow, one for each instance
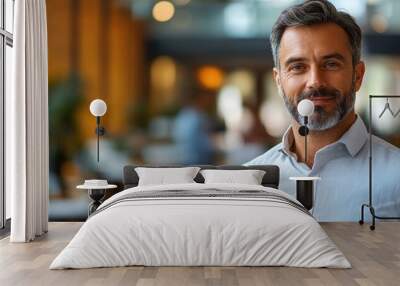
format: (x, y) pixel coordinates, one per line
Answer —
(293, 60)
(334, 56)
(303, 59)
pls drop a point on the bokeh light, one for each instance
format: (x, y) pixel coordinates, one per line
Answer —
(163, 11)
(163, 73)
(379, 23)
(210, 77)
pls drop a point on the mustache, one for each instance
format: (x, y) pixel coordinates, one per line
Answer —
(319, 92)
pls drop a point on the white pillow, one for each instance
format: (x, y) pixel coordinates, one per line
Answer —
(162, 176)
(248, 177)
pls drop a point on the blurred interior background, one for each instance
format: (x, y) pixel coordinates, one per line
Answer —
(185, 81)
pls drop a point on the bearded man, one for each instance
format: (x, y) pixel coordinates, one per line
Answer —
(316, 51)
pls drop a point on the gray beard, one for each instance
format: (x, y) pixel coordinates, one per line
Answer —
(321, 120)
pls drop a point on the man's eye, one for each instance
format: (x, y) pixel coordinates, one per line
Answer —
(297, 68)
(332, 65)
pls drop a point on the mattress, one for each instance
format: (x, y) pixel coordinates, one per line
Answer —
(201, 225)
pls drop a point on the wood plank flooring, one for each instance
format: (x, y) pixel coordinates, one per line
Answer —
(374, 255)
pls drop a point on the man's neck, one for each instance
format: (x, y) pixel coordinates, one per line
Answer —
(316, 140)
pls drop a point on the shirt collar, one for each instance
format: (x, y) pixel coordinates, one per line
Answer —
(287, 142)
(353, 139)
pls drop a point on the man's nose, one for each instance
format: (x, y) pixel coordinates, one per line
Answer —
(316, 78)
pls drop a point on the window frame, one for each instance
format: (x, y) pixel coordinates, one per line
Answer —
(6, 39)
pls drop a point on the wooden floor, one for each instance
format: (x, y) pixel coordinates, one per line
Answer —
(374, 255)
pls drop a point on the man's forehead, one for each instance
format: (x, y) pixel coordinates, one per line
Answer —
(315, 40)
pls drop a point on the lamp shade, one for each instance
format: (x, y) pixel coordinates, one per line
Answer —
(305, 107)
(98, 107)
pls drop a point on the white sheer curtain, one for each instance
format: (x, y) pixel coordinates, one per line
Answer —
(27, 122)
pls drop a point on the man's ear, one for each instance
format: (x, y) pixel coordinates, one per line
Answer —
(359, 71)
(277, 79)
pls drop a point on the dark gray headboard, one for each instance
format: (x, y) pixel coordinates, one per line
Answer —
(270, 179)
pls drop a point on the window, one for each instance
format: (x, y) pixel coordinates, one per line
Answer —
(6, 61)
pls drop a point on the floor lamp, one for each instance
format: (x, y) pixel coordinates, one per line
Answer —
(305, 185)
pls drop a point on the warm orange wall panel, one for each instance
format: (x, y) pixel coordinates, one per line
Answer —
(59, 38)
(108, 45)
(126, 69)
(89, 60)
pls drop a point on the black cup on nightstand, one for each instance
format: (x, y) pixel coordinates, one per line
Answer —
(305, 190)
(305, 193)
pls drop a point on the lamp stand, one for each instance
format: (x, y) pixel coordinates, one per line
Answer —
(100, 131)
(303, 131)
(305, 138)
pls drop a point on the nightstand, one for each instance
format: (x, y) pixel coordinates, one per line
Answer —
(96, 193)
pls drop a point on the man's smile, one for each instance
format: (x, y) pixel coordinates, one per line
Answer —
(322, 99)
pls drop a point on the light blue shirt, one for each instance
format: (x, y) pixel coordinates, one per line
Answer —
(343, 168)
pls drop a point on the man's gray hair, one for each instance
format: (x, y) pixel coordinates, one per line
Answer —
(313, 12)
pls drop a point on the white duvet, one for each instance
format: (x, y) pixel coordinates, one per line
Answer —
(200, 231)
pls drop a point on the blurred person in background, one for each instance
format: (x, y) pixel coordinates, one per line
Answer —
(254, 132)
(253, 139)
(316, 52)
(192, 129)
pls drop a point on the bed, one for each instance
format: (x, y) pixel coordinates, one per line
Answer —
(201, 223)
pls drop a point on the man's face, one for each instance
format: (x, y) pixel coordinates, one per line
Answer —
(315, 62)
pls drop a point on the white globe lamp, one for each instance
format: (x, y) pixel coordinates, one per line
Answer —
(305, 107)
(98, 108)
